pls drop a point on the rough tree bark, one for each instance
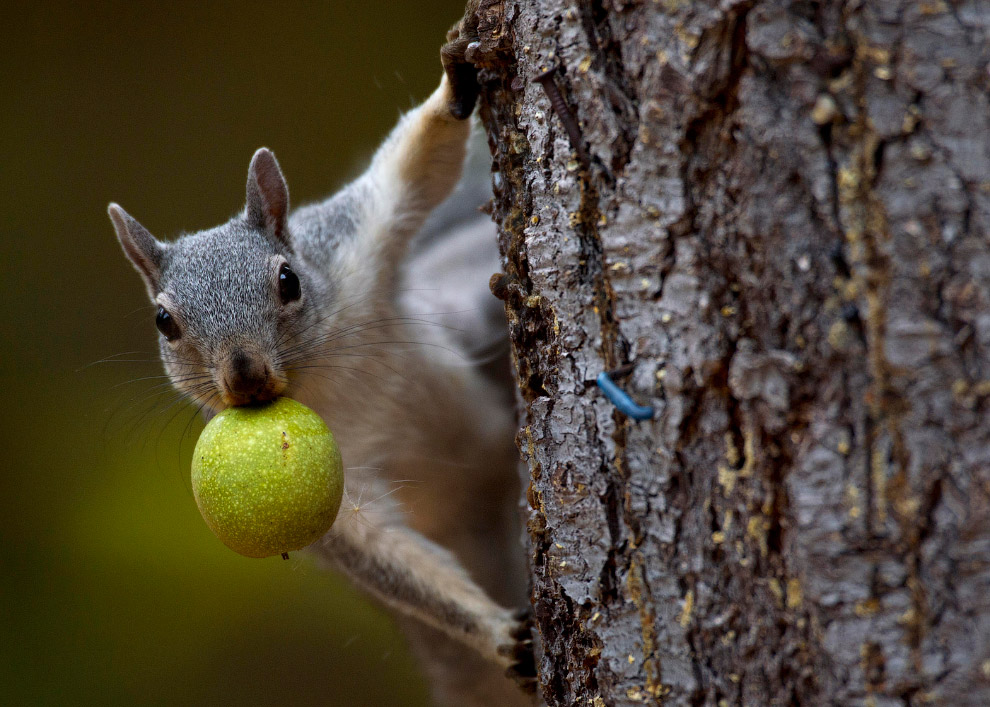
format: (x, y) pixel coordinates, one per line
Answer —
(778, 213)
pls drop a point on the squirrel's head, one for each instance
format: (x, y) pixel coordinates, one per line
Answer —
(230, 300)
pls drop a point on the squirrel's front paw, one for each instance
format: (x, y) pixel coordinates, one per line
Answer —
(458, 62)
(519, 654)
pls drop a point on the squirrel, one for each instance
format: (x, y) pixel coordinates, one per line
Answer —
(324, 304)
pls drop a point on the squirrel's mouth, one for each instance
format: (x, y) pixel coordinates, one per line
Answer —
(266, 392)
(247, 379)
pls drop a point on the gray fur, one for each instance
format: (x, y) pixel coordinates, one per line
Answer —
(318, 229)
(384, 347)
(222, 283)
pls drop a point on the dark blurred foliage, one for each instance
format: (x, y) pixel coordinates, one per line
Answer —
(113, 590)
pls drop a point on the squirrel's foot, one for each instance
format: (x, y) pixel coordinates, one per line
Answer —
(522, 661)
(457, 57)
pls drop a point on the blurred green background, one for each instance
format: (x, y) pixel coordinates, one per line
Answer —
(113, 589)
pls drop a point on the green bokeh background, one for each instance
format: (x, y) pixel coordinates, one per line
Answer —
(113, 589)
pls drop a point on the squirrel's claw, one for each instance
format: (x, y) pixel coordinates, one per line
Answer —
(522, 660)
(458, 56)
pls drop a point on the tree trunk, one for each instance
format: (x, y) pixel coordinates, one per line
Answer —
(778, 213)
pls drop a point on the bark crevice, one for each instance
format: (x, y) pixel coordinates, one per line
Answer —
(782, 226)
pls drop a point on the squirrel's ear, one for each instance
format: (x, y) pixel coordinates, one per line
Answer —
(267, 196)
(141, 248)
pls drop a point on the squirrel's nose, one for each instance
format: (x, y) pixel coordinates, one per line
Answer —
(247, 374)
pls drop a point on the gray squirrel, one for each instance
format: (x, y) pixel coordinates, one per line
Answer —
(326, 304)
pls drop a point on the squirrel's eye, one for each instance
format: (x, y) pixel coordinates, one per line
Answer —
(166, 325)
(288, 284)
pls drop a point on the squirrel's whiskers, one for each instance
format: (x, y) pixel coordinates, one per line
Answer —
(315, 304)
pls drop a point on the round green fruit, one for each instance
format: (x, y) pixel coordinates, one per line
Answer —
(268, 479)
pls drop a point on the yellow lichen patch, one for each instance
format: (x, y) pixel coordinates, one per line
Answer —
(658, 690)
(689, 38)
(907, 506)
(933, 8)
(849, 290)
(839, 335)
(878, 55)
(636, 694)
(757, 528)
(775, 587)
(795, 595)
(749, 454)
(635, 586)
(848, 180)
(867, 607)
(726, 479)
(909, 617)
(910, 122)
(825, 110)
(687, 610)
(853, 500)
(731, 452)
(959, 389)
(841, 83)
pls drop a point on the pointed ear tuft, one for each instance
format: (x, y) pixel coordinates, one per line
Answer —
(144, 251)
(267, 196)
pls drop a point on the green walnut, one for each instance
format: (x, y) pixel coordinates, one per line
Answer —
(268, 479)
